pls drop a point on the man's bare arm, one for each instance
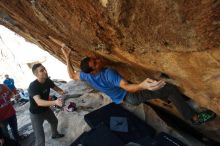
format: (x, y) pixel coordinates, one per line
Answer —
(45, 103)
(147, 84)
(72, 73)
(59, 90)
(130, 87)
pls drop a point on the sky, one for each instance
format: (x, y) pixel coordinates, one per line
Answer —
(16, 52)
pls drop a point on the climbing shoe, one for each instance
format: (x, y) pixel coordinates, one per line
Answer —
(204, 117)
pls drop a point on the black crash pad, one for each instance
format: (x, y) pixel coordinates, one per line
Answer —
(164, 139)
(101, 136)
(137, 129)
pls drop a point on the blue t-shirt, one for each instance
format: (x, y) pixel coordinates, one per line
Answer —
(9, 83)
(106, 81)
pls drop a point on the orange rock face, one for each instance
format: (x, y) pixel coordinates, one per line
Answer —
(141, 38)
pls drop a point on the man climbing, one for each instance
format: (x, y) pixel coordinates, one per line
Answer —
(108, 81)
(39, 105)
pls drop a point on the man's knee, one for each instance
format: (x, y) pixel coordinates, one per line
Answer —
(51, 118)
(56, 121)
(53, 121)
(132, 102)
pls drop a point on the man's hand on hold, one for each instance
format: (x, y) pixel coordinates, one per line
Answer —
(152, 85)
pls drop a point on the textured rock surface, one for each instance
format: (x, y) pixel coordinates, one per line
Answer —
(141, 39)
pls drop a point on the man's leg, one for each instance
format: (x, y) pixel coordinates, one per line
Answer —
(52, 119)
(141, 97)
(12, 121)
(37, 124)
(5, 128)
(174, 95)
(167, 92)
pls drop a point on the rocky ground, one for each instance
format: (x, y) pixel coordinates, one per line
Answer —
(72, 124)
